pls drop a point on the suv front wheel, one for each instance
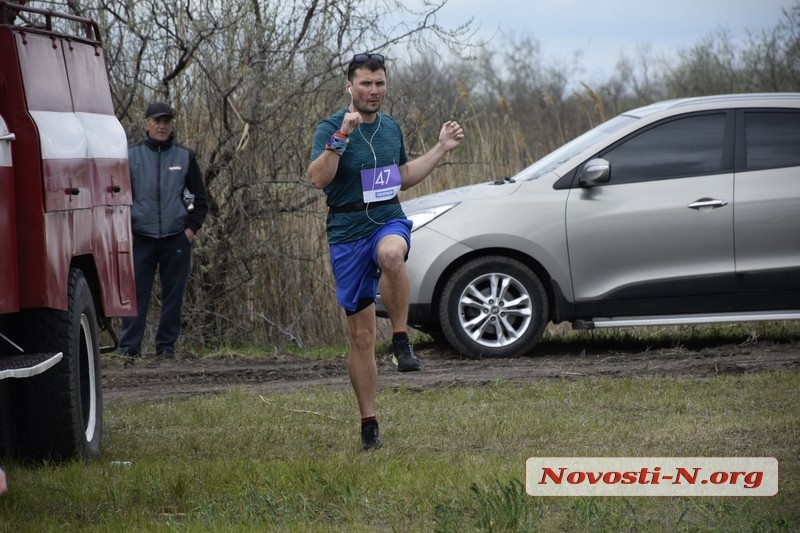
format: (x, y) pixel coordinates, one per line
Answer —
(493, 306)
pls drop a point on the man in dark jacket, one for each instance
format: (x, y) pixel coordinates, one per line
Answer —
(169, 207)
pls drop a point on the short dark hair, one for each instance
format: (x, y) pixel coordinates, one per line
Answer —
(372, 62)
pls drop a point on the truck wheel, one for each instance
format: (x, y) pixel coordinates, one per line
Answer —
(493, 306)
(63, 407)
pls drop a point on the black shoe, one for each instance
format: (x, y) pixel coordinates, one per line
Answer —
(404, 357)
(369, 436)
(166, 354)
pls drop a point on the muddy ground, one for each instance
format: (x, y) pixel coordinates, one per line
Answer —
(151, 378)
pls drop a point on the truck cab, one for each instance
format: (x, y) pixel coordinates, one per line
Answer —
(66, 266)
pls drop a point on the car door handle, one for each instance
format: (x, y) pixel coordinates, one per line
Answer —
(706, 203)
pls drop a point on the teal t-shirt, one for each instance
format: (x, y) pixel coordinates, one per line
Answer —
(371, 146)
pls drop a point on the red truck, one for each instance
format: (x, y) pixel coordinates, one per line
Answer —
(66, 268)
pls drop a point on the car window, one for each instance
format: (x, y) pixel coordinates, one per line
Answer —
(772, 139)
(682, 147)
(577, 145)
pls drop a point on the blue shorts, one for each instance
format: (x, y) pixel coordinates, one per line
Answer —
(355, 265)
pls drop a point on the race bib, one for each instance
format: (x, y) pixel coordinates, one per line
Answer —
(379, 184)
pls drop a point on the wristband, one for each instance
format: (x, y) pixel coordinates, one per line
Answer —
(337, 143)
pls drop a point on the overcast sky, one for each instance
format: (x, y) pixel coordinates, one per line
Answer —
(605, 29)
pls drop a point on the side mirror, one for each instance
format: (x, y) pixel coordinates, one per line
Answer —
(595, 172)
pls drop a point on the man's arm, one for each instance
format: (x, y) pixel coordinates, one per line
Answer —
(323, 169)
(194, 182)
(417, 170)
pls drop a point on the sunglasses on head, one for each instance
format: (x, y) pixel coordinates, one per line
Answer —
(363, 58)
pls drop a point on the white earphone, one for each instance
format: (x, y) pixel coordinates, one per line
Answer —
(350, 91)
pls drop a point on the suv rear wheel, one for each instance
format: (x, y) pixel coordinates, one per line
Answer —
(493, 306)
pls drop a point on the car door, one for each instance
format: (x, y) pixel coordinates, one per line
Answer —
(767, 219)
(660, 232)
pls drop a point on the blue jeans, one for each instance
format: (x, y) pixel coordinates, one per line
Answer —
(171, 256)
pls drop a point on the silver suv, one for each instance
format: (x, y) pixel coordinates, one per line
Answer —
(684, 211)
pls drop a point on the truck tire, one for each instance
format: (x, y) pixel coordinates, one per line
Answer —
(61, 416)
(493, 306)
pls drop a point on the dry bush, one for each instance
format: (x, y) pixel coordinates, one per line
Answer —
(251, 80)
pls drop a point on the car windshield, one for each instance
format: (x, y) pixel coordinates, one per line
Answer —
(552, 160)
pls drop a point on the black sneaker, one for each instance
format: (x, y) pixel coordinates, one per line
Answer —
(369, 436)
(404, 357)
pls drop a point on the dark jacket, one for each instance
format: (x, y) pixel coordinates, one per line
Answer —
(159, 173)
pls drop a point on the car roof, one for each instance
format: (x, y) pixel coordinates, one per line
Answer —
(720, 101)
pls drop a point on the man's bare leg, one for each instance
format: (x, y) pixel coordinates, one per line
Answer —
(363, 372)
(361, 362)
(392, 250)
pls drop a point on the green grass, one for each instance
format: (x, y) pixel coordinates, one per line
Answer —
(688, 335)
(562, 338)
(453, 459)
(314, 353)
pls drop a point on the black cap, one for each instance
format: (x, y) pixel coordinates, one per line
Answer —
(159, 109)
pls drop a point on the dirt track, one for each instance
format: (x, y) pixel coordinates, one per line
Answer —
(151, 379)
